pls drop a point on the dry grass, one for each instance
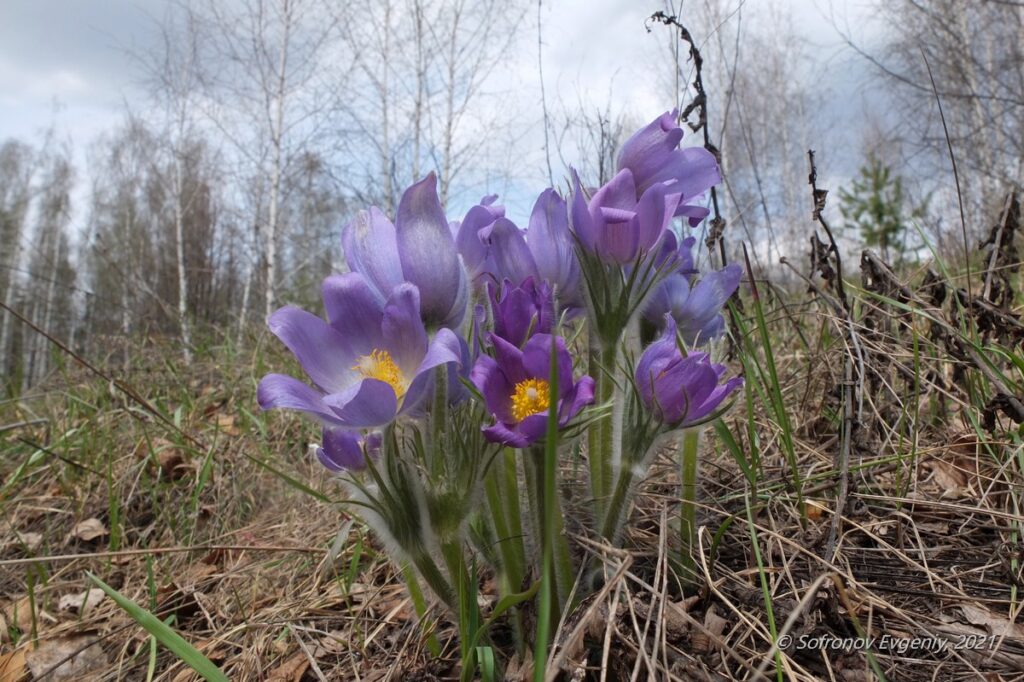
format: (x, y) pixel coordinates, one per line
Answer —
(273, 584)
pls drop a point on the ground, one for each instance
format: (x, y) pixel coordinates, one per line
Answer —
(214, 516)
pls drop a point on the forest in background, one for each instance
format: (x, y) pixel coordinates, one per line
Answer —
(268, 123)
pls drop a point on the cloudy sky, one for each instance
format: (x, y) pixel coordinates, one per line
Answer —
(66, 63)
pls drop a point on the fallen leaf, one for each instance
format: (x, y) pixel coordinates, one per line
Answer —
(520, 670)
(81, 601)
(336, 642)
(950, 479)
(714, 623)
(18, 614)
(226, 424)
(74, 657)
(172, 462)
(815, 509)
(196, 572)
(12, 666)
(27, 541)
(291, 670)
(996, 624)
(89, 530)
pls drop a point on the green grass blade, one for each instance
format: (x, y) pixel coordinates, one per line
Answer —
(164, 634)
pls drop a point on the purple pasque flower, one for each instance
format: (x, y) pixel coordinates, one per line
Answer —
(615, 225)
(677, 255)
(680, 390)
(345, 450)
(514, 384)
(473, 234)
(370, 363)
(522, 311)
(418, 248)
(696, 309)
(550, 243)
(494, 249)
(654, 157)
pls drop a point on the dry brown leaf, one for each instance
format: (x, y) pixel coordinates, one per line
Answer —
(81, 601)
(27, 541)
(815, 509)
(89, 530)
(226, 424)
(74, 657)
(714, 623)
(172, 463)
(520, 670)
(19, 614)
(950, 479)
(335, 642)
(12, 666)
(996, 624)
(291, 670)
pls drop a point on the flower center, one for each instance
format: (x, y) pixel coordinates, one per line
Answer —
(381, 366)
(529, 397)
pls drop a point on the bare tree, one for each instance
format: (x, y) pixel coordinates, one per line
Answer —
(16, 168)
(763, 105)
(175, 82)
(974, 53)
(418, 94)
(50, 271)
(271, 91)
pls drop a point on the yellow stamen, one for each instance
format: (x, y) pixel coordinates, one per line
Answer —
(381, 366)
(529, 397)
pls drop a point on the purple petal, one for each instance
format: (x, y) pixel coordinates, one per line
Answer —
(471, 241)
(650, 148)
(654, 213)
(537, 360)
(619, 242)
(371, 248)
(355, 311)
(619, 192)
(694, 171)
(551, 245)
(319, 348)
(279, 391)
(694, 213)
(510, 360)
(494, 386)
(402, 329)
(533, 427)
(341, 451)
(512, 258)
(655, 359)
(581, 395)
(714, 399)
(445, 348)
(367, 403)
(583, 223)
(427, 252)
(512, 312)
(499, 433)
(697, 316)
(683, 387)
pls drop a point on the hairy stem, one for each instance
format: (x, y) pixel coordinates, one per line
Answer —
(688, 506)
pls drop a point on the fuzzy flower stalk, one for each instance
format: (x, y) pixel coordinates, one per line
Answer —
(626, 249)
(673, 390)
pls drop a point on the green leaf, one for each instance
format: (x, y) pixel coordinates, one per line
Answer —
(164, 634)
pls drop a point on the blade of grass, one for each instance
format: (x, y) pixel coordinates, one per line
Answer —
(166, 636)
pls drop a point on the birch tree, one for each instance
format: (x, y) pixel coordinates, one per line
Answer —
(16, 160)
(271, 93)
(420, 92)
(974, 51)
